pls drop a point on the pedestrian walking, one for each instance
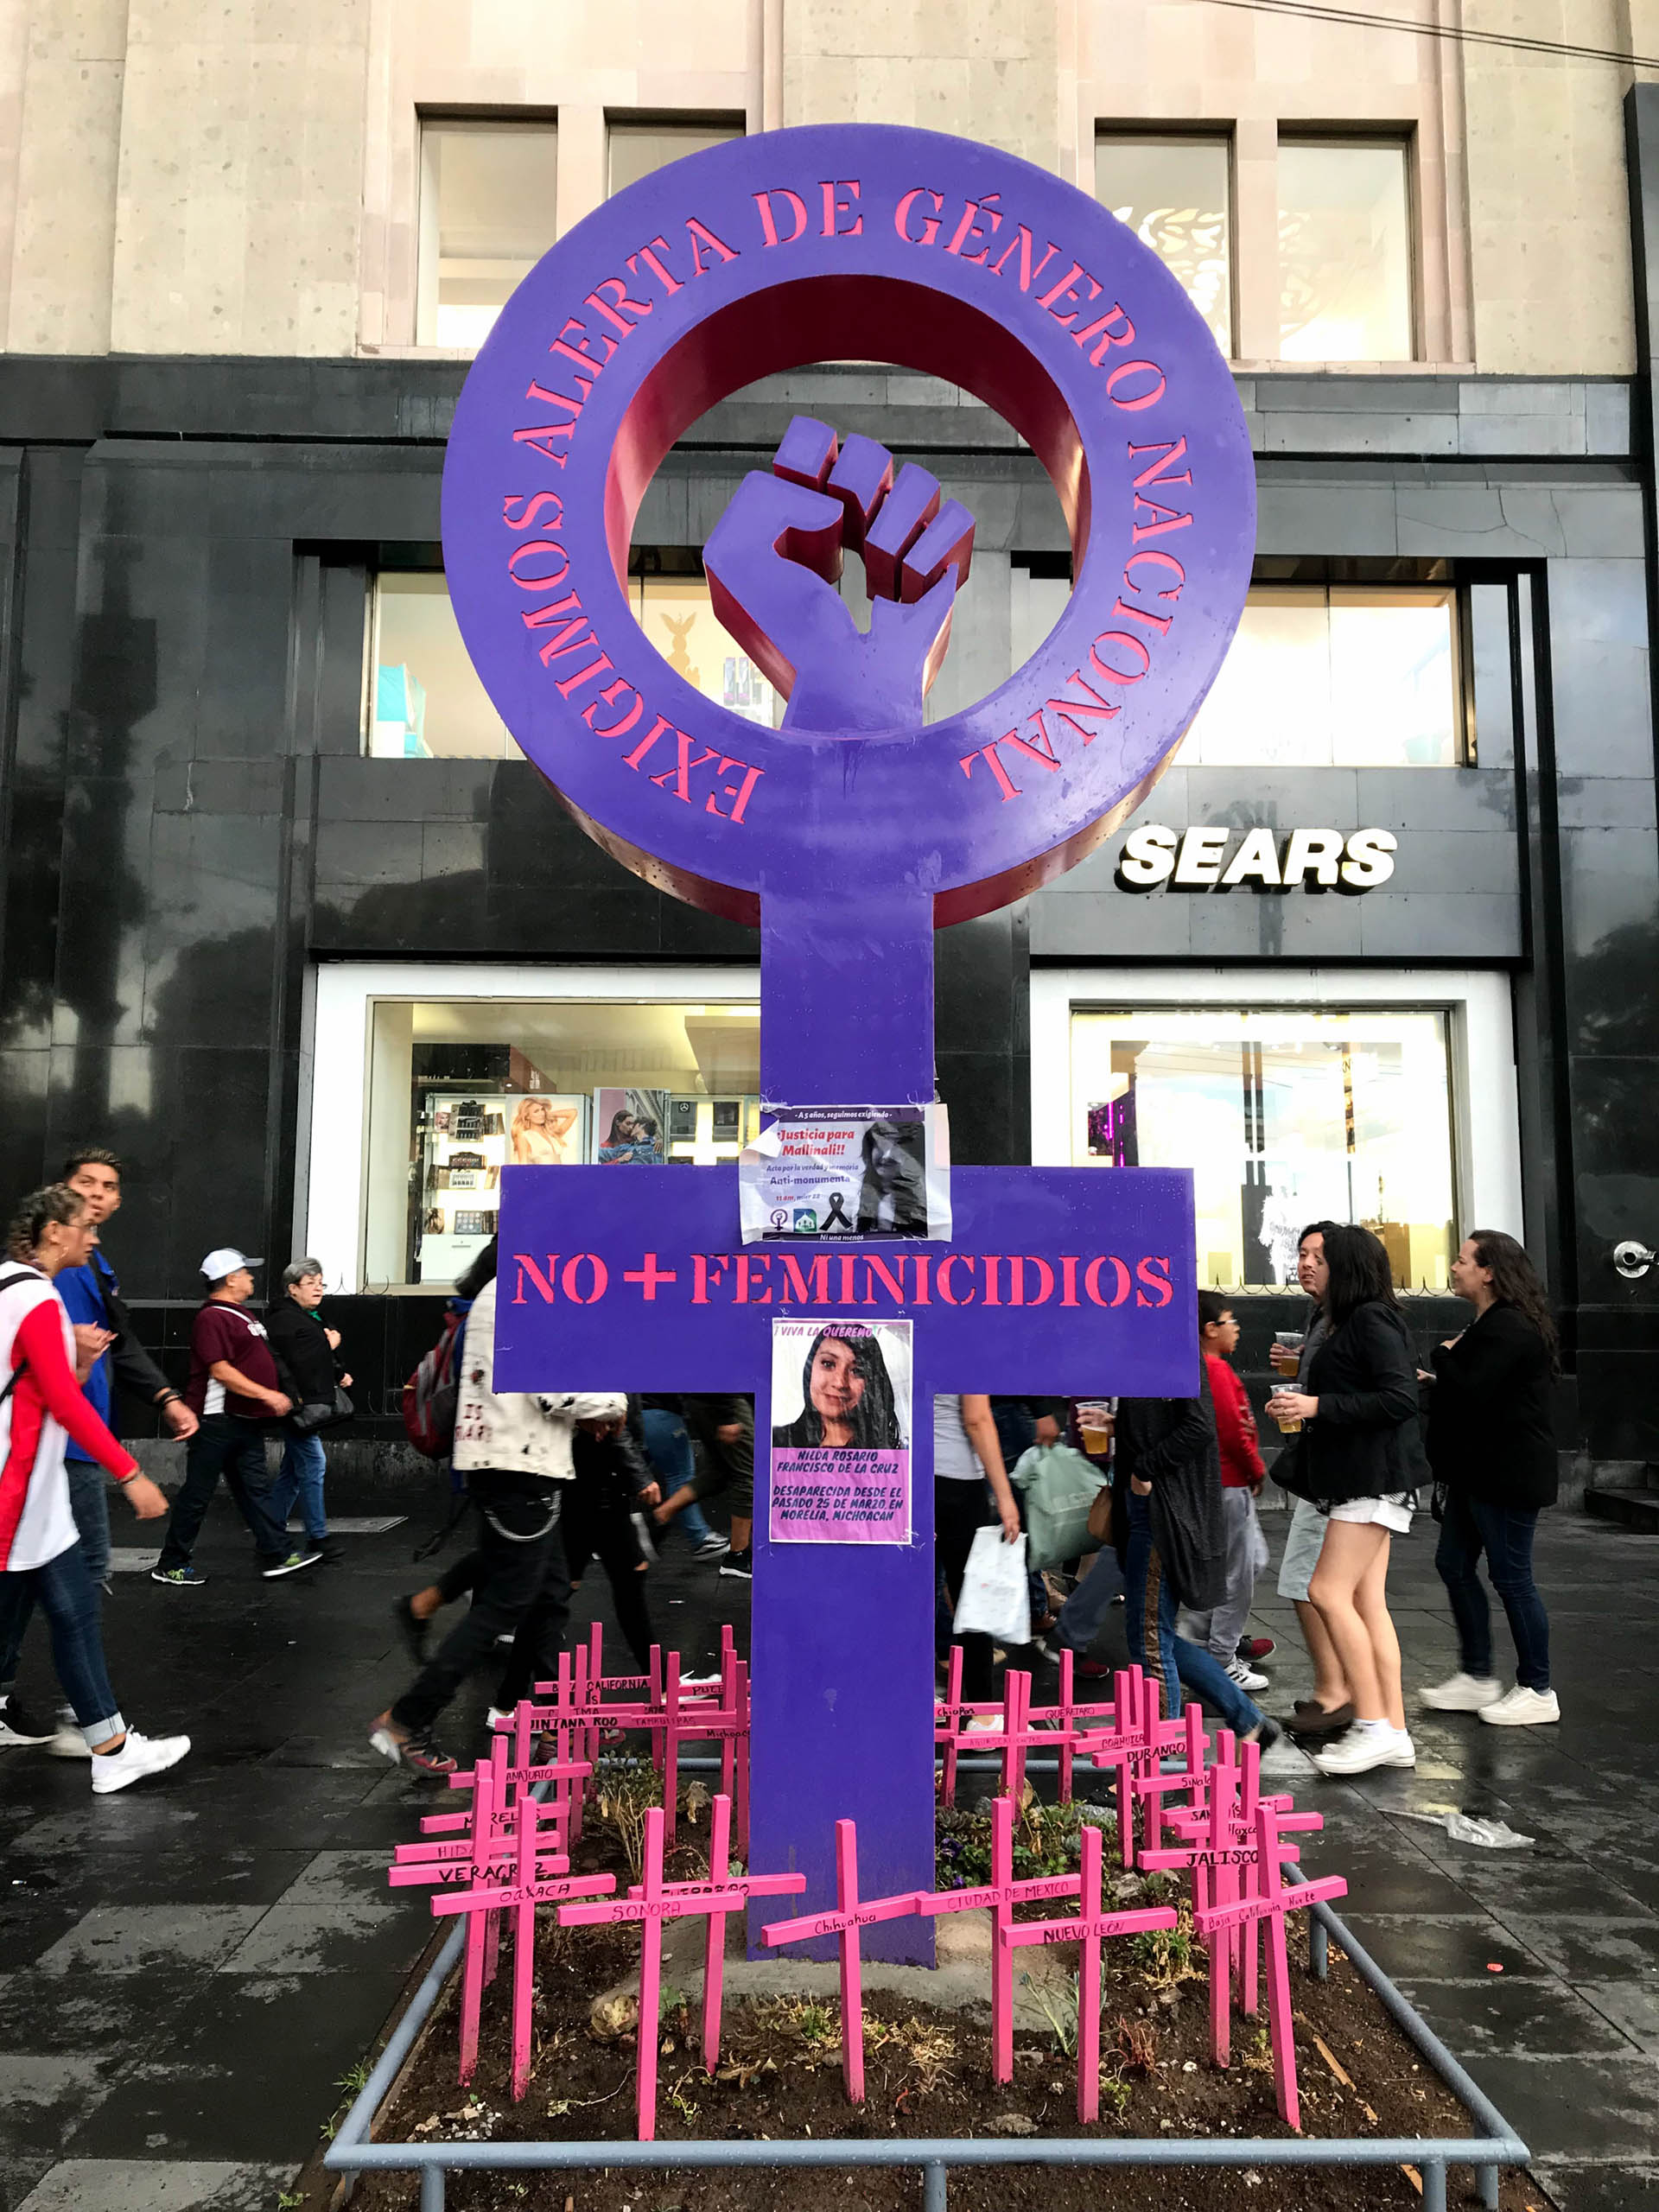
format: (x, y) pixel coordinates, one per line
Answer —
(103, 1330)
(1170, 1527)
(1100, 1581)
(41, 1406)
(236, 1393)
(514, 1449)
(612, 1486)
(304, 1347)
(970, 1488)
(1219, 1628)
(723, 1426)
(1492, 1447)
(668, 1447)
(1358, 1457)
(1323, 1716)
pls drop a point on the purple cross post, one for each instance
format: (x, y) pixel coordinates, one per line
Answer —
(852, 832)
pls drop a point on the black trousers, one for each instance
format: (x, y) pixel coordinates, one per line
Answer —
(517, 1574)
(602, 1529)
(235, 1449)
(729, 1467)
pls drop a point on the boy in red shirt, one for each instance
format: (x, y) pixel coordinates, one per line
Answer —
(1242, 1475)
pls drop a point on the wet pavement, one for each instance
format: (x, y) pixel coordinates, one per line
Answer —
(189, 1971)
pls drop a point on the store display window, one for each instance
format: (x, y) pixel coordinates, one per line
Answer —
(461, 1089)
(1285, 1117)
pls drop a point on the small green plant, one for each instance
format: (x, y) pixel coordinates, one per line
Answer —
(355, 2079)
(290, 2200)
(626, 1791)
(1060, 2010)
(1114, 2094)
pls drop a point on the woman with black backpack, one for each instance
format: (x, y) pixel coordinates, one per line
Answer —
(1359, 1458)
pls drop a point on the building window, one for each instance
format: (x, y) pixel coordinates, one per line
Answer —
(1344, 252)
(1342, 676)
(488, 200)
(675, 614)
(1175, 194)
(422, 700)
(637, 149)
(1285, 1117)
(459, 1088)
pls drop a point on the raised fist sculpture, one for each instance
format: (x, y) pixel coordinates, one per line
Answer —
(774, 557)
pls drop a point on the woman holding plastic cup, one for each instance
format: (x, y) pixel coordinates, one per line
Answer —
(1359, 1460)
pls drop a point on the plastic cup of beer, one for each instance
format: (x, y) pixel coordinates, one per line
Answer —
(1095, 1426)
(1288, 1341)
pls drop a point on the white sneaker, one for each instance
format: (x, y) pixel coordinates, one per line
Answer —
(1366, 1746)
(19, 1728)
(1246, 1677)
(984, 1724)
(713, 1547)
(138, 1757)
(1462, 1694)
(1522, 1708)
(68, 1743)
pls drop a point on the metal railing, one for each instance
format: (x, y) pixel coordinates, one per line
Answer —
(1497, 2147)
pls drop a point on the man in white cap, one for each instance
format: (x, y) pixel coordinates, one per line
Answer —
(235, 1393)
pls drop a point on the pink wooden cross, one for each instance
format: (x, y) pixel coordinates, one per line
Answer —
(533, 1877)
(1152, 1789)
(1088, 1928)
(1016, 1735)
(653, 1903)
(949, 1712)
(1268, 1906)
(850, 1915)
(1063, 1717)
(1001, 1894)
(1124, 1745)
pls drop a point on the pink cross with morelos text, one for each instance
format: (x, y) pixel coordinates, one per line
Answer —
(1269, 1906)
(1087, 1927)
(844, 1922)
(651, 1903)
(1001, 1894)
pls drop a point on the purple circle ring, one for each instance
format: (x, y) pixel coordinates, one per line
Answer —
(868, 243)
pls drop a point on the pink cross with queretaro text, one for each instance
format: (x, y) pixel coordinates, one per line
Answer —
(651, 1903)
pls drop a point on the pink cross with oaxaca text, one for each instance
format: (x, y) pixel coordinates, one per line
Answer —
(1001, 1894)
(1087, 1927)
(651, 1903)
(850, 1915)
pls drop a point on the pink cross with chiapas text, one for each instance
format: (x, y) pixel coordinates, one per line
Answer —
(851, 1914)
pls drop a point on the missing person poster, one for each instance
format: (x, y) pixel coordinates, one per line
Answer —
(841, 1412)
(829, 1172)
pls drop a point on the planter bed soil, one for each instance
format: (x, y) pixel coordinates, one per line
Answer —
(927, 2073)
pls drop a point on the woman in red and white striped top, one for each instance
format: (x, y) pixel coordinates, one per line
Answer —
(41, 1408)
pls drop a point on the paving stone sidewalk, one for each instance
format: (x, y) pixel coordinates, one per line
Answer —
(189, 1971)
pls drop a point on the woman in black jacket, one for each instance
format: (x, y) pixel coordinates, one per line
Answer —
(1492, 1442)
(304, 1347)
(1359, 1458)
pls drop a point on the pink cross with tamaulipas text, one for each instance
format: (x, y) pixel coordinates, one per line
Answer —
(1088, 1928)
(851, 1914)
(652, 1902)
(1267, 1905)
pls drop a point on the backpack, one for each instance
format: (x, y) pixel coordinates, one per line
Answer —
(432, 1392)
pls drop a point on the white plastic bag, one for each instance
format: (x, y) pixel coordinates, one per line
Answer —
(996, 1598)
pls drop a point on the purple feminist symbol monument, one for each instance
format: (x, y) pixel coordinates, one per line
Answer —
(853, 832)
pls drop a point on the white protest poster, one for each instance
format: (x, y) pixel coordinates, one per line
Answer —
(841, 1433)
(823, 1172)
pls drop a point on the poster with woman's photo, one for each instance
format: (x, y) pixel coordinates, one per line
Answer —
(544, 1129)
(823, 1171)
(841, 1415)
(630, 1128)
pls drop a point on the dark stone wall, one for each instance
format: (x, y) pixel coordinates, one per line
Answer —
(184, 547)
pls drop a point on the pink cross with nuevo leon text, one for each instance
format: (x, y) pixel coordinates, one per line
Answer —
(1087, 1927)
(1001, 1894)
(851, 1914)
(652, 1902)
